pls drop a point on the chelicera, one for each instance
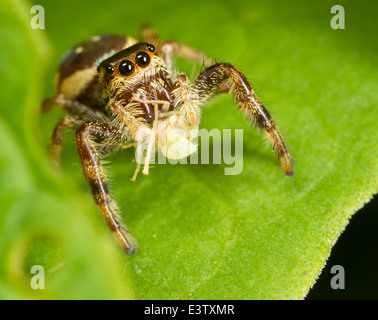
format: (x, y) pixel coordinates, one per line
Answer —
(116, 89)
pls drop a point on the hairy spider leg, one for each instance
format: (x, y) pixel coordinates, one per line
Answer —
(80, 113)
(212, 81)
(72, 106)
(66, 122)
(184, 97)
(133, 123)
(90, 156)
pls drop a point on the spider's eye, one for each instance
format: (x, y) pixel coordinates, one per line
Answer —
(150, 48)
(142, 59)
(126, 68)
(109, 69)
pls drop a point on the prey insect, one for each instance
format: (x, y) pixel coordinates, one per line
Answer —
(121, 93)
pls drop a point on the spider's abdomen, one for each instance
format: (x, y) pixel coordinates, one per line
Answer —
(77, 77)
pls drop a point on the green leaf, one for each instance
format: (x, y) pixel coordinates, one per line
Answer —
(202, 234)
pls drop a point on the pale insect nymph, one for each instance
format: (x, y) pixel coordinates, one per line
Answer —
(120, 92)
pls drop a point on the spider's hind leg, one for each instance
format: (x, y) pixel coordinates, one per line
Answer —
(79, 113)
(74, 107)
(66, 122)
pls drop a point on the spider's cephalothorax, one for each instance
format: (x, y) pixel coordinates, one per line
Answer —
(120, 92)
(136, 73)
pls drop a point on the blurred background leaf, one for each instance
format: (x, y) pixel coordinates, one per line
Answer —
(44, 220)
(202, 235)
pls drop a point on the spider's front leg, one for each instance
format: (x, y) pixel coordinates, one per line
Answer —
(94, 140)
(214, 80)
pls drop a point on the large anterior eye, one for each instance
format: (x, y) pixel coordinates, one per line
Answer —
(126, 68)
(142, 59)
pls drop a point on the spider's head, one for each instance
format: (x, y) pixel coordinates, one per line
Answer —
(129, 68)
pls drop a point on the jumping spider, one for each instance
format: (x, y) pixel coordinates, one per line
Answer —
(115, 88)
